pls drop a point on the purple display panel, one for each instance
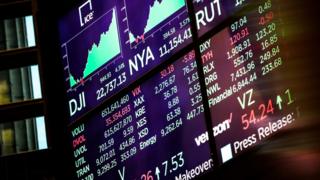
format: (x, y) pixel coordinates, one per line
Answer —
(249, 95)
(107, 45)
(210, 13)
(152, 132)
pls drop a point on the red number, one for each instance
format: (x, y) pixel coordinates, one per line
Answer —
(270, 108)
(189, 57)
(252, 118)
(262, 107)
(262, 21)
(245, 121)
(167, 71)
(147, 176)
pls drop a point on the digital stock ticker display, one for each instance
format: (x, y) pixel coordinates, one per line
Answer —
(244, 68)
(158, 128)
(127, 138)
(107, 45)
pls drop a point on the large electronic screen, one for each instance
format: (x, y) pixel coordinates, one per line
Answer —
(245, 67)
(106, 45)
(151, 132)
(158, 129)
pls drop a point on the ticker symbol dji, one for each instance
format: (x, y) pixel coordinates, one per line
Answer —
(85, 12)
(76, 105)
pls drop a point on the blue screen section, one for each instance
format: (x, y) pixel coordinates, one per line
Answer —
(107, 45)
(157, 129)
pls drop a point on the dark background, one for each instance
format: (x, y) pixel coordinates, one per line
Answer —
(295, 153)
(291, 154)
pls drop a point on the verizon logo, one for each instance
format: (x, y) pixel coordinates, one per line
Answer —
(219, 129)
